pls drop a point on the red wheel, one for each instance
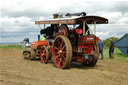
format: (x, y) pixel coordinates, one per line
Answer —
(62, 52)
(44, 55)
(63, 30)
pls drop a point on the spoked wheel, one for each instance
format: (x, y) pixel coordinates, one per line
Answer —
(62, 52)
(44, 55)
(95, 55)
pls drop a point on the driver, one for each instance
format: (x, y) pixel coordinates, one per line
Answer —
(80, 27)
(86, 27)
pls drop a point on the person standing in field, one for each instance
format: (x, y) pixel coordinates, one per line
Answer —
(111, 49)
(100, 44)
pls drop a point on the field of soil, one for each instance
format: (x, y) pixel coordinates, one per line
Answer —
(15, 70)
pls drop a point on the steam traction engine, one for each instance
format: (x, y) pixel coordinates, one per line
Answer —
(72, 40)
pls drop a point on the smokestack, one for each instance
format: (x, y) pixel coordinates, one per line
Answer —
(55, 16)
(38, 37)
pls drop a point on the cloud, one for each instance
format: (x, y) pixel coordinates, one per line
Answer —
(100, 34)
(123, 21)
(29, 8)
(11, 24)
(121, 6)
(18, 36)
(18, 16)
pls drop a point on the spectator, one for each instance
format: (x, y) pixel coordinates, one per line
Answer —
(100, 44)
(111, 48)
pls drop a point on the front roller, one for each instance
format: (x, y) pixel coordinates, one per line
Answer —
(62, 52)
(27, 53)
(33, 54)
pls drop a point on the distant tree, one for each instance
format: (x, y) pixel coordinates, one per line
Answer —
(106, 42)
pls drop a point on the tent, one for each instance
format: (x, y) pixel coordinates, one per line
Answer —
(122, 44)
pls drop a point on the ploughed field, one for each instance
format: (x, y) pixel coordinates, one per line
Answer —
(15, 70)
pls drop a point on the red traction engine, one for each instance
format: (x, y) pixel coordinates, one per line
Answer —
(73, 41)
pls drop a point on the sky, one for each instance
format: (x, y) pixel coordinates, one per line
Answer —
(17, 17)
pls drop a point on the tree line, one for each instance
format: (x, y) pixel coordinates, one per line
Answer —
(106, 42)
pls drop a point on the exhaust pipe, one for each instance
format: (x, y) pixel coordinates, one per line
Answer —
(38, 37)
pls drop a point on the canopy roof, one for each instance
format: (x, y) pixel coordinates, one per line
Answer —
(75, 20)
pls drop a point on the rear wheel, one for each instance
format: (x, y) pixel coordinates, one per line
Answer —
(93, 58)
(95, 55)
(62, 52)
(44, 55)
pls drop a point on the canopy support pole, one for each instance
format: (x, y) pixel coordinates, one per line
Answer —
(84, 28)
(95, 27)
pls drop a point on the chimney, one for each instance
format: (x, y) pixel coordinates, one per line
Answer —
(55, 16)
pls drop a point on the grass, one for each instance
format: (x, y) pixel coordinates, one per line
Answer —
(117, 55)
(11, 46)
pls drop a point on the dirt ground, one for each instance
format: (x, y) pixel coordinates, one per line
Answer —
(15, 70)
